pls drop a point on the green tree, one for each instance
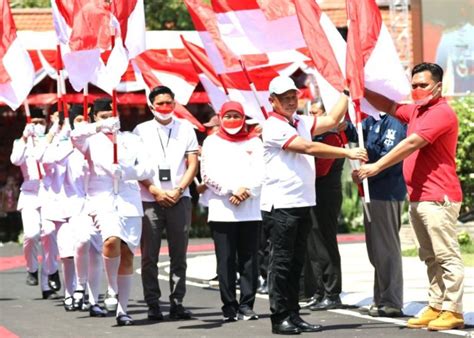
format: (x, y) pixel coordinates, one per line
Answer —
(30, 3)
(167, 14)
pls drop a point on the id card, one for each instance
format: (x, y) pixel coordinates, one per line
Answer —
(164, 173)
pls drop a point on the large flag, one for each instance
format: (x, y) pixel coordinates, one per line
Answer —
(370, 46)
(235, 83)
(87, 28)
(17, 73)
(327, 49)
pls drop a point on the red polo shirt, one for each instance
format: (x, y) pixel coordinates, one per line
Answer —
(430, 172)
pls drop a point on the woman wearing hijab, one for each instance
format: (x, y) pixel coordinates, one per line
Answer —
(233, 169)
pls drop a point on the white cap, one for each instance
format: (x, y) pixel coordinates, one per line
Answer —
(281, 84)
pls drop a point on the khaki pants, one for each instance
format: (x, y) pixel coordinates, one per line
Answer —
(435, 227)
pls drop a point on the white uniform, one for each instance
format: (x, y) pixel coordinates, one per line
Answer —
(27, 156)
(117, 215)
(226, 166)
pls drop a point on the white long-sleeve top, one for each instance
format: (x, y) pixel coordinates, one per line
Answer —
(27, 156)
(133, 160)
(227, 166)
(66, 171)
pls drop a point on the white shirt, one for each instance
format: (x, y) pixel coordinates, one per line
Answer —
(133, 159)
(227, 166)
(290, 177)
(169, 144)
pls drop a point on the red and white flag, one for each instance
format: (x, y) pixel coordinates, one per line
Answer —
(371, 47)
(170, 68)
(327, 49)
(17, 72)
(87, 28)
(235, 83)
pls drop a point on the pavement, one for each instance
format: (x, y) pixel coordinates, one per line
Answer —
(24, 314)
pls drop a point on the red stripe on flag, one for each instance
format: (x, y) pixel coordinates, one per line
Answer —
(8, 35)
(223, 6)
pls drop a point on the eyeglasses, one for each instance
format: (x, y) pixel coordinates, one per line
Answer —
(168, 103)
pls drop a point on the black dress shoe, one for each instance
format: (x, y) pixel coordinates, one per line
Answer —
(124, 320)
(285, 327)
(50, 294)
(312, 301)
(96, 311)
(32, 278)
(327, 304)
(179, 312)
(304, 326)
(54, 281)
(154, 312)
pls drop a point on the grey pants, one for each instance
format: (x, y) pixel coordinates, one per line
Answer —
(177, 221)
(383, 247)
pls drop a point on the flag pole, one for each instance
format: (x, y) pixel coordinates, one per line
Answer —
(360, 134)
(114, 114)
(253, 88)
(85, 102)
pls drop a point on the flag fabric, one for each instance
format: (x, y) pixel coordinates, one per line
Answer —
(235, 83)
(17, 72)
(87, 28)
(327, 49)
(371, 47)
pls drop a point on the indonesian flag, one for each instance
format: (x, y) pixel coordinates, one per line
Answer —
(327, 49)
(17, 73)
(87, 28)
(170, 68)
(372, 60)
(235, 83)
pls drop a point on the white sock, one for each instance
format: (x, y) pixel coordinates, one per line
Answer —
(95, 275)
(69, 276)
(111, 271)
(124, 287)
(81, 257)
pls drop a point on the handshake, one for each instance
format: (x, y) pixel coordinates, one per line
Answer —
(109, 125)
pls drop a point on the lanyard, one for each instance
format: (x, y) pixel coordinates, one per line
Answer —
(167, 143)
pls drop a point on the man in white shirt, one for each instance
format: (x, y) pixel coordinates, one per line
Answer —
(288, 194)
(166, 200)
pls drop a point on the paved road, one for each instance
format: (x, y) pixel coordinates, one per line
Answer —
(23, 313)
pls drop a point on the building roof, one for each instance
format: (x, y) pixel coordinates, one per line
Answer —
(34, 19)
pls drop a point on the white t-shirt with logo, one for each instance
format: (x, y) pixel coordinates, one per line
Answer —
(168, 146)
(290, 176)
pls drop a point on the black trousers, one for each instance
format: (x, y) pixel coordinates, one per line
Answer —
(264, 245)
(236, 241)
(290, 228)
(322, 271)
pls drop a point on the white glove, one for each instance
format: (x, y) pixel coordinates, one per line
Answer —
(29, 130)
(54, 128)
(111, 124)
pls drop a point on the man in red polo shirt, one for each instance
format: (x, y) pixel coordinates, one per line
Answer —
(433, 188)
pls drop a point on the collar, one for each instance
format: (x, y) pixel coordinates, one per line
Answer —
(280, 117)
(164, 126)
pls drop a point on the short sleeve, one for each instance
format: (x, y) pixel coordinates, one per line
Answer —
(192, 143)
(404, 112)
(434, 125)
(278, 134)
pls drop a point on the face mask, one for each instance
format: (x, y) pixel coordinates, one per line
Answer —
(163, 113)
(39, 129)
(421, 96)
(232, 127)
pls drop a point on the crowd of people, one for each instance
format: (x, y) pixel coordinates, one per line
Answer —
(93, 194)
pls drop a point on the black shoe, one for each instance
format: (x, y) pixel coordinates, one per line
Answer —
(365, 310)
(154, 312)
(50, 294)
(54, 281)
(327, 304)
(78, 299)
(96, 311)
(68, 304)
(312, 301)
(124, 320)
(177, 311)
(247, 314)
(32, 278)
(385, 311)
(304, 326)
(285, 327)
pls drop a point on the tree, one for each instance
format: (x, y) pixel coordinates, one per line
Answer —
(30, 3)
(167, 15)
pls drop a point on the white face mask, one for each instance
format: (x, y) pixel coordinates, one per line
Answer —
(162, 116)
(232, 131)
(39, 129)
